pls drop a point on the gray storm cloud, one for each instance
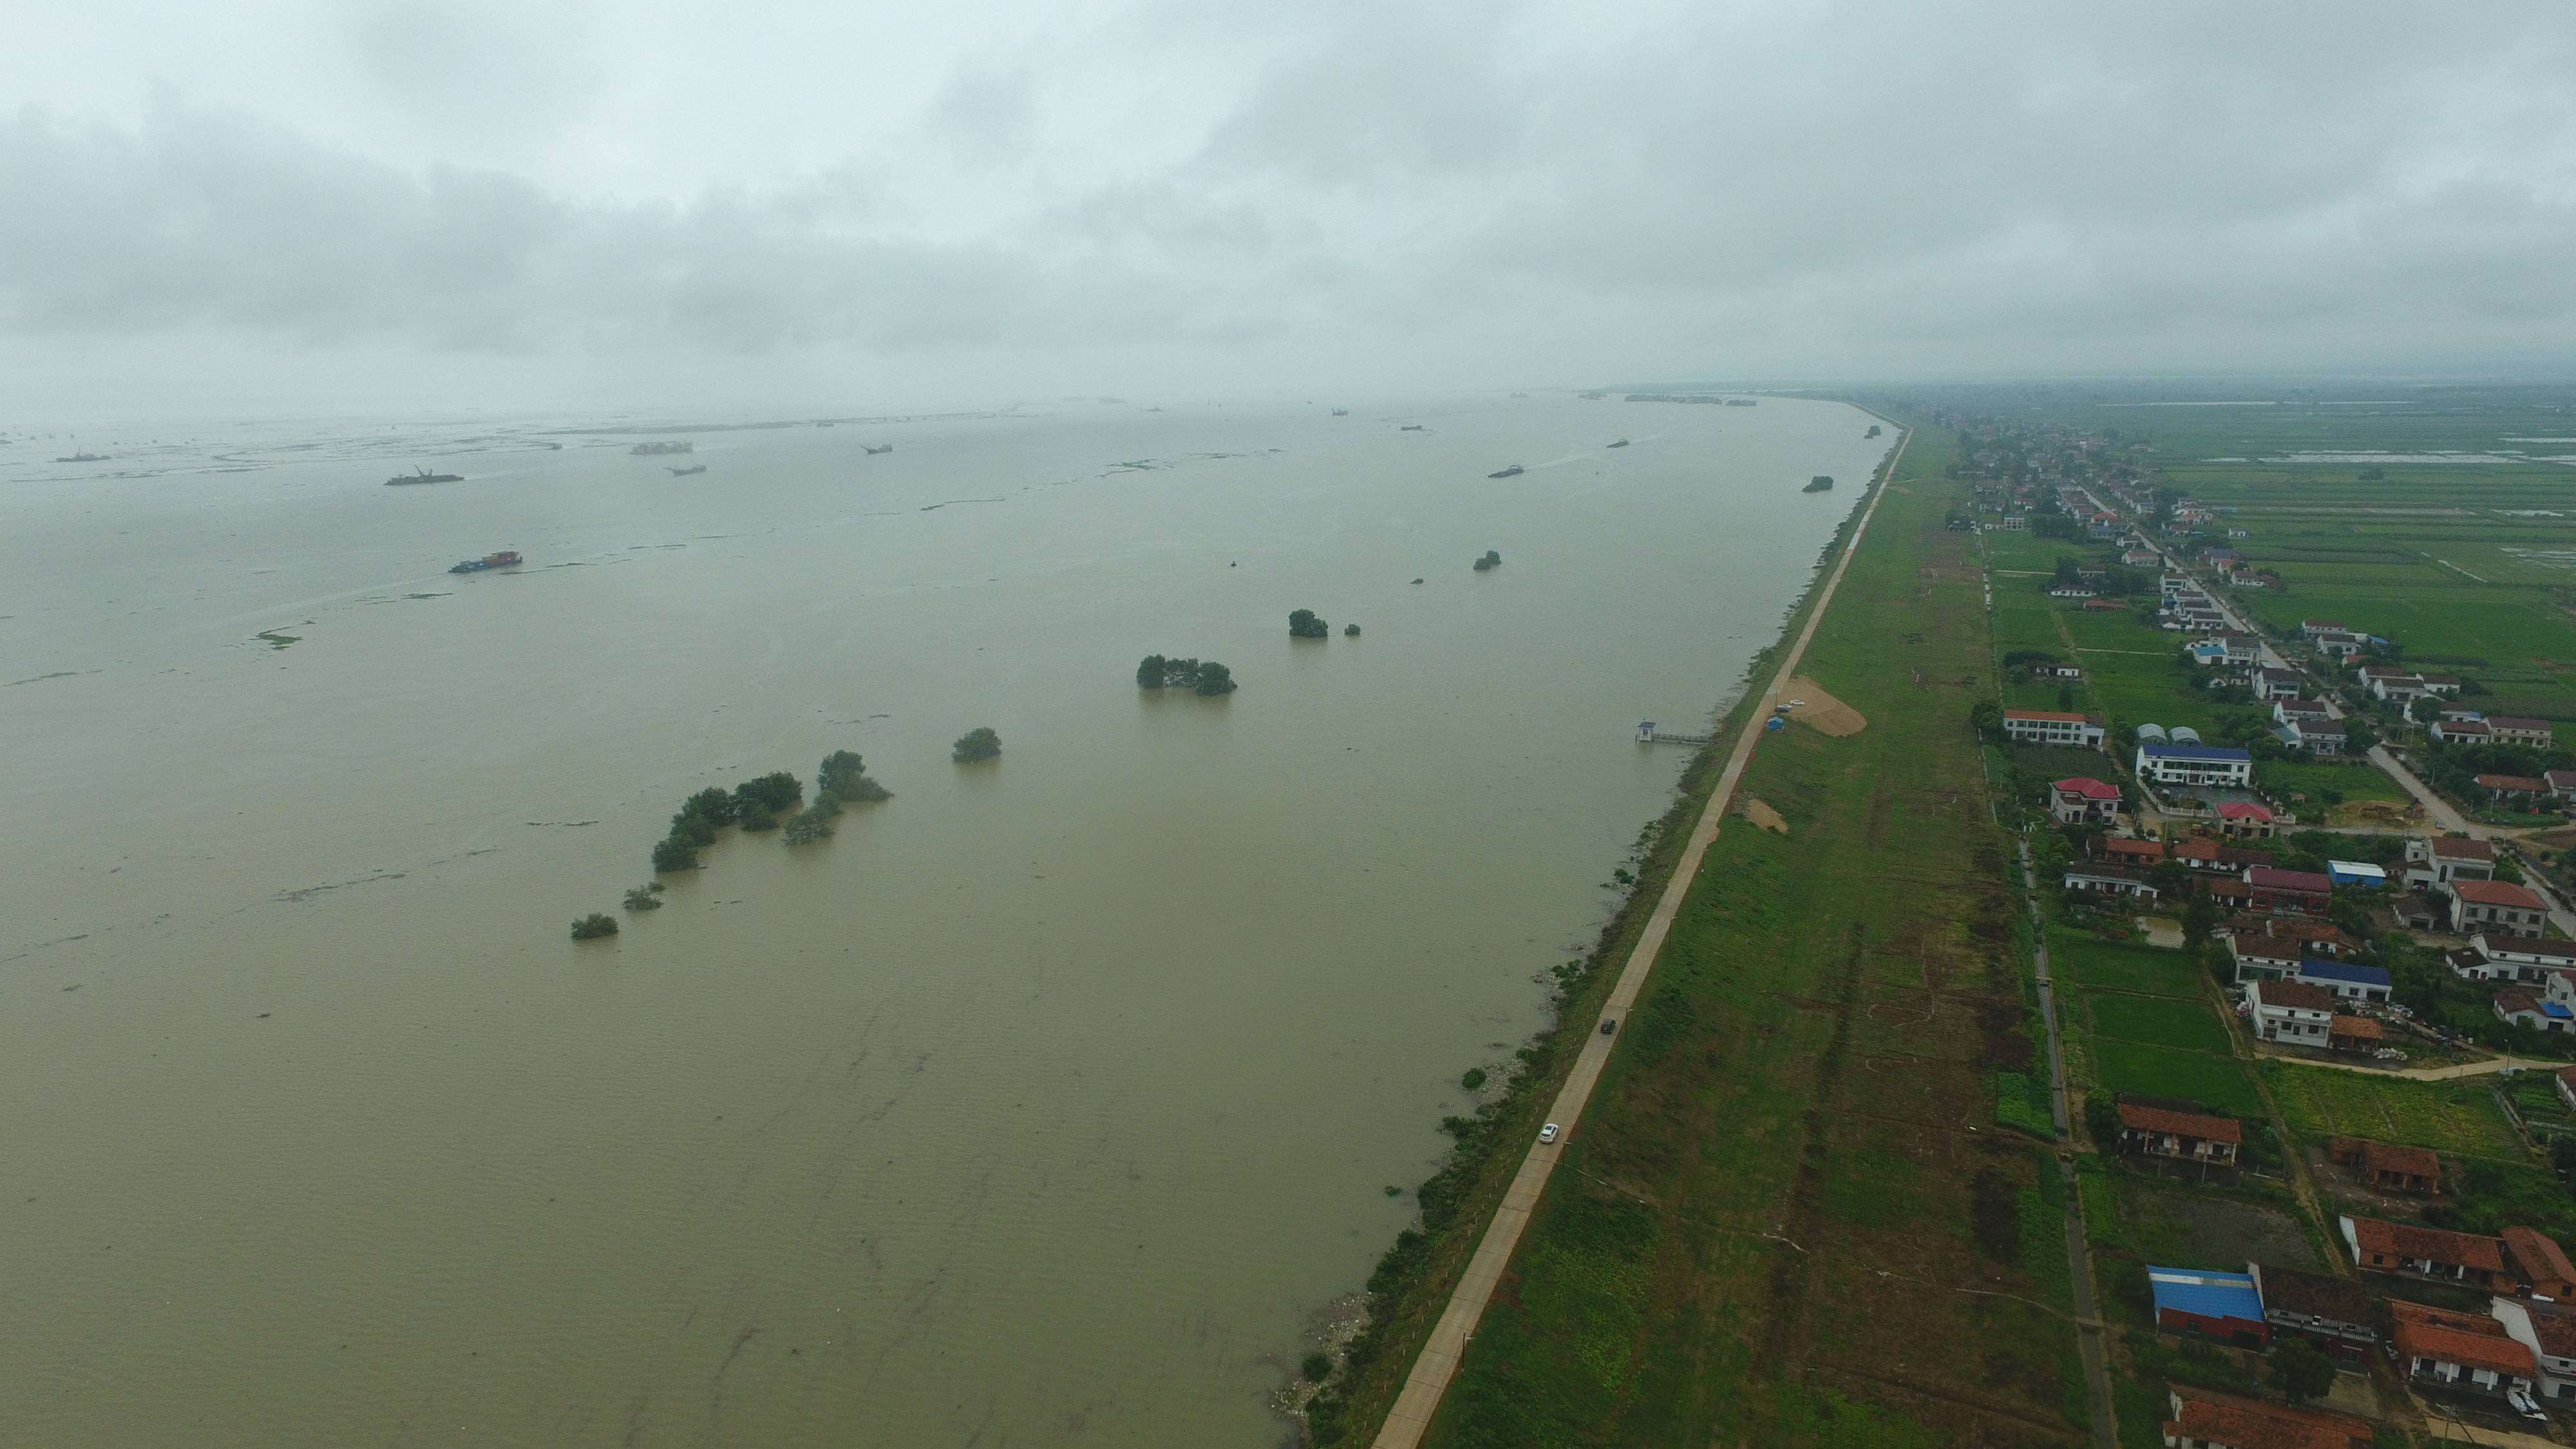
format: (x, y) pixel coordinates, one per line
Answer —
(1872, 189)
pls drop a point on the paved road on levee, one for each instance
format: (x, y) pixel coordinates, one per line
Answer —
(1448, 1343)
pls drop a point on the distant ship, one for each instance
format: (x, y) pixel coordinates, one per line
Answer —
(880, 448)
(693, 468)
(1341, 412)
(84, 458)
(1513, 471)
(506, 558)
(1623, 442)
(1412, 427)
(655, 450)
(1742, 402)
(423, 475)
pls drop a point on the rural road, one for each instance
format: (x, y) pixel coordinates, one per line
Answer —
(2079, 1255)
(1440, 1355)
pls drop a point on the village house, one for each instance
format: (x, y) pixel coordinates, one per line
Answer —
(2541, 1010)
(2069, 591)
(2386, 1247)
(2205, 1303)
(2338, 646)
(2277, 683)
(2138, 854)
(2540, 1266)
(2462, 1351)
(2443, 685)
(2109, 880)
(2387, 1166)
(2442, 859)
(2470, 965)
(2332, 1313)
(2459, 713)
(2245, 820)
(2175, 1136)
(2513, 730)
(2449, 731)
(2562, 784)
(2268, 948)
(2359, 1035)
(2496, 908)
(2346, 981)
(2537, 955)
(2082, 800)
(2194, 765)
(2052, 727)
(2319, 737)
(2417, 911)
(2270, 889)
(2398, 688)
(2358, 874)
(2291, 1012)
(2549, 1331)
(2513, 789)
(2290, 709)
(2313, 629)
(2218, 855)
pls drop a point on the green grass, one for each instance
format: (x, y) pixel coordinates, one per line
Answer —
(2157, 1021)
(2359, 780)
(2453, 1116)
(2123, 966)
(2216, 1082)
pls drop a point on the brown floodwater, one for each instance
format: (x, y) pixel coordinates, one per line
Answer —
(1050, 1103)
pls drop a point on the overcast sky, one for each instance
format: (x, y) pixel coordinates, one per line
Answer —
(568, 202)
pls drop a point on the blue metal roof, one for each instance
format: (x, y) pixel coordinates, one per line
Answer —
(2356, 872)
(2192, 752)
(2208, 1294)
(2343, 971)
(2553, 1009)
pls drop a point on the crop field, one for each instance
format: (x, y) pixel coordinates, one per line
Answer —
(2156, 1021)
(2215, 1081)
(2454, 1116)
(2121, 966)
(2358, 780)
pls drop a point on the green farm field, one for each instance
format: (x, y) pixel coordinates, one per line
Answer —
(2156, 1021)
(2213, 1080)
(2121, 966)
(2454, 1116)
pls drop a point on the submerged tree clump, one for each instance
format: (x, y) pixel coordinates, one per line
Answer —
(646, 897)
(593, 926)
(1304, 625)
(976, 744)
(1493, 559)
(1350, 631)
(1200, 676)
(758, 805)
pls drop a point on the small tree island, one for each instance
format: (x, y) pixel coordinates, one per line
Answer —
(1304, 625)
(1205, 677)
(976, 744)
(1819, 483)
(1493, 559)
(1350, 631)
(593, 926)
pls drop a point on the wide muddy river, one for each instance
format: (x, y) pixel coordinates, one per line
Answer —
(1053, 1102)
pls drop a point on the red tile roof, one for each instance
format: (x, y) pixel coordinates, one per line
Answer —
(2527, 784)
(2517, 722)
(2537, 1257)
(2495, 893)
(2359, 1028)
(2452, 847)
(2180, 1124)
(2248, 1425)
(2406, 1240)
(2298, 995)
(2243, 810)
(2086, 786)
(2469, 1350)
(2274, 878)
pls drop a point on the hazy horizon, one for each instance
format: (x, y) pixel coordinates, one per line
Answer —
(469, 206)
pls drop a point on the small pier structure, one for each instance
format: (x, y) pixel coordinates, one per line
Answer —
(1647, 734)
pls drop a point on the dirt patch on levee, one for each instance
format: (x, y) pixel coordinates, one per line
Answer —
(1821, 710)
(1759, 811)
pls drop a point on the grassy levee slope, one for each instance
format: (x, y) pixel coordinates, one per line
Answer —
(1788, 1217)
